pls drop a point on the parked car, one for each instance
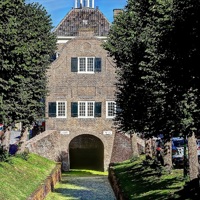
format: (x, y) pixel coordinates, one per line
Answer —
(178, 144)
(1, 132)
(178, 151)
(198, 149)
(1, 128)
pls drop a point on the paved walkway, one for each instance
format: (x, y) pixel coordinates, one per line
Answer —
(83, 188)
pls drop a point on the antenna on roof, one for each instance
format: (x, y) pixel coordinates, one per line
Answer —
(84, 3)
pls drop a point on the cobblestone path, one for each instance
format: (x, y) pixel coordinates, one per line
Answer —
(83, 188)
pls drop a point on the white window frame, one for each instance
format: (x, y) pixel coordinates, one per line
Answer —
(86, 65)
(57, 54)
(108, 109)
(64, 111)
(86, 109)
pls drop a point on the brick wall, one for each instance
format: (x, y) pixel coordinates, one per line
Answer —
(122, 149)
(48, 185)
(46, 144)
(65, 85)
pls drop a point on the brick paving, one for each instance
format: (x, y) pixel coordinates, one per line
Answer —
(83, 188)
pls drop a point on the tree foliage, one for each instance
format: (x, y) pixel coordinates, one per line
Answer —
(155, 45)
(132, 42)
(185, 50)
(26, 43)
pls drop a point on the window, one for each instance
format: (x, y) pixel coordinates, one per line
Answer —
(58, 109)
(85, 64)
(61, 109)
(85, 22)
(110, 109)
(86, 109)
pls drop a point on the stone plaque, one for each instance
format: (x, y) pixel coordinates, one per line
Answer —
(107, 132)
(64, 132)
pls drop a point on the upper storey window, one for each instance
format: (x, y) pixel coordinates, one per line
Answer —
(58, 109)
(85, 64)
(110, 109)
(86, 109)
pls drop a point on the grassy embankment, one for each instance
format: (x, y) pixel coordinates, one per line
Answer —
(142, 180)
(137, 178)
(19, 178)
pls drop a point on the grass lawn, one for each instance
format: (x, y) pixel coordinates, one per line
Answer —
(20, 178)
(140, 180)
(83, 172)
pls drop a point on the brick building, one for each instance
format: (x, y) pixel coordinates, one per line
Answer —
(81, 82)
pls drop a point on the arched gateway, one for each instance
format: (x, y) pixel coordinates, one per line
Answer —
(86, 152)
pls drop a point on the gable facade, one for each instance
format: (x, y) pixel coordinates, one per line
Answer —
(81, 84)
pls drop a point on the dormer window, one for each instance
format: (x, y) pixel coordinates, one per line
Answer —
(85, 64)
(85, 22)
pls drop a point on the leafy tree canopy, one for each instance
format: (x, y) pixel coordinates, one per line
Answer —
(155, 45)
(26, 43)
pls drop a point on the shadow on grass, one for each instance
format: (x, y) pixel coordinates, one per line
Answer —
(191, 190)
(150, 181)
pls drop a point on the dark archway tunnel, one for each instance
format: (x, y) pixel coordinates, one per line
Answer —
(86, 152)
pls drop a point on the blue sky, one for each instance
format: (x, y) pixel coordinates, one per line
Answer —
(59, 8)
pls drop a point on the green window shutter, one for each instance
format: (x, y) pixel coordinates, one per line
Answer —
(52, 109)
(74, 64)
(74, 109)
(118, 109)
(97, 64)
(53, 57)
(97, 111)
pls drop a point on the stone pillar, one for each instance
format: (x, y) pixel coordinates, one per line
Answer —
(92, 3)
(81, 3)
(148, 148)
(192, 156)
(22, 141)
(134, 145)
(65, 161)
(168, 155)
(76, 3)
(6, 139)
(116, 12)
